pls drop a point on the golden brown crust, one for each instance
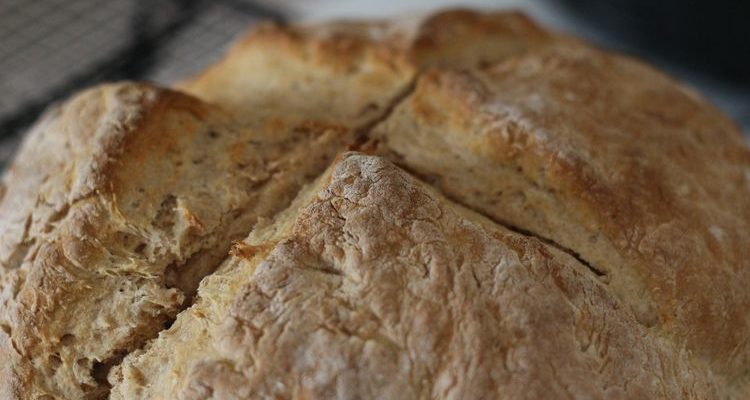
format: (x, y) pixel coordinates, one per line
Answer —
(46, 216)
(354, 70)
(142, 193)
(128, 197)
(613, 161)
(383, 288)
(124, 198)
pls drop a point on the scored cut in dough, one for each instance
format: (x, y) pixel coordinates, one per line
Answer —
(351, 72)
(382, 288)
(579, 229)
(122, 199)
(118, 236)
(602, 155)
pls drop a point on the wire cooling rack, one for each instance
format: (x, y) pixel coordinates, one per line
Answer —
(51, 48)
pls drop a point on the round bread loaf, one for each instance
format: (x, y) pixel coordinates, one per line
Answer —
(452, 206)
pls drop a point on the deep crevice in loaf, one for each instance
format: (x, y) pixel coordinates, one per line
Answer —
(243, 257)
(362, 134)
(598, 272)
(174, 274)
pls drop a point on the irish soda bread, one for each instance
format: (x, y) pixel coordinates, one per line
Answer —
(459, 205)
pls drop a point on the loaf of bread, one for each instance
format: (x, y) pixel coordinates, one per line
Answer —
(452, 206)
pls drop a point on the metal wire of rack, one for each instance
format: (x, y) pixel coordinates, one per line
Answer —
(51, 48)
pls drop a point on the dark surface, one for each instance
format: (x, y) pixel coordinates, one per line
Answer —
(711, 37)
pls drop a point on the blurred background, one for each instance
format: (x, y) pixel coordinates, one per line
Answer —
(51, 48)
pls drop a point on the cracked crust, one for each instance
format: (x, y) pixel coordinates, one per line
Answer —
(127, 198)
(139, 195)
(613, 161)
(352, 68)
(380, 287)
